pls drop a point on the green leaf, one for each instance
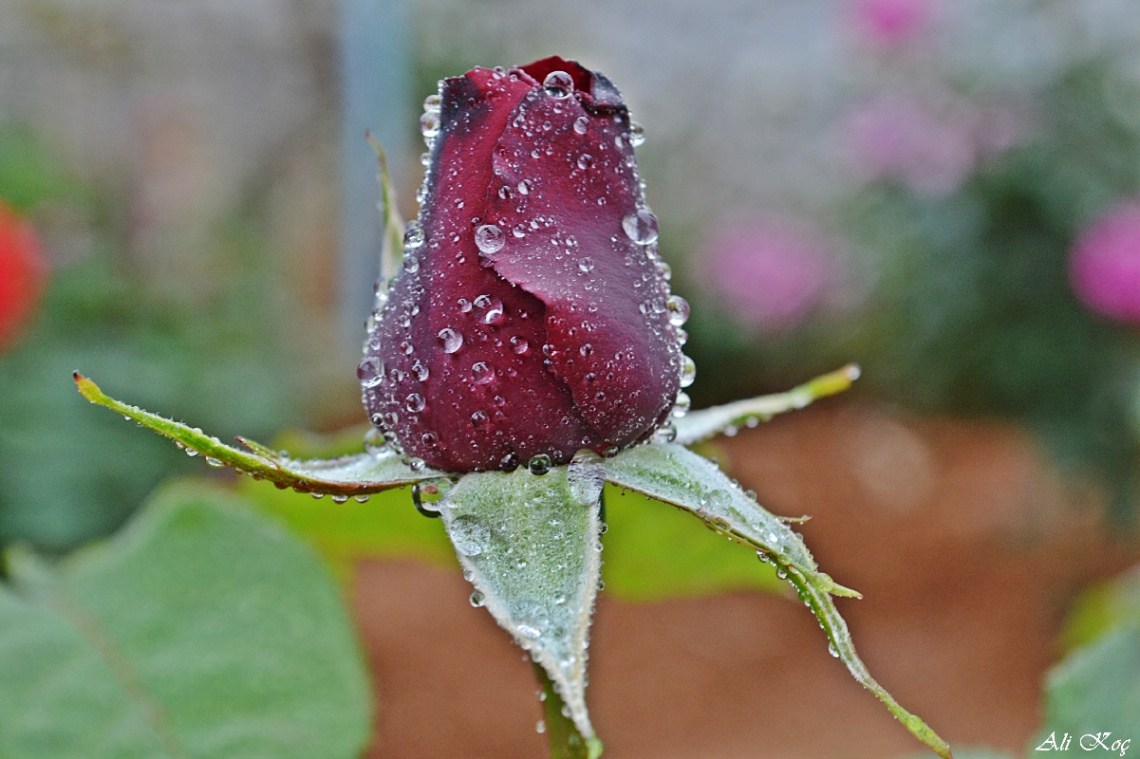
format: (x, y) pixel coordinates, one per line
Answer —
(342, 477)
(677, 476)
(1097, 690)
(199, 631)
(699, 425)
(530, 546)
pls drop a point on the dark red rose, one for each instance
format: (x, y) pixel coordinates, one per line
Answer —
(532, 316)
(23, 273)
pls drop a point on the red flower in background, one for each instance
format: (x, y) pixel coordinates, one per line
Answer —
(23, 273)
(532, 317)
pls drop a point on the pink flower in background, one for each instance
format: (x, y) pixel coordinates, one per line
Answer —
(770, 272)
(1104, 266)
(900, 138)
(887, 23)
(931, 148)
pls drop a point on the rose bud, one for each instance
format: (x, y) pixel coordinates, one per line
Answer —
(532, 317)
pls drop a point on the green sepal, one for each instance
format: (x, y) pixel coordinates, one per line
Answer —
(358, 475)
(676, 475)
(700, 425)
(530, 544)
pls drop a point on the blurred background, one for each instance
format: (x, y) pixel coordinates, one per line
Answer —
(946, 192)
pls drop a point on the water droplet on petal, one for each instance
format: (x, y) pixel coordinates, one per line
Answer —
(641, 227)
(524, 187)
(519, 344)
(585, 161)
(433, 102)
(665, 434)
(494, 312)
(558, 85)
(413, 235)
(489, 239)
(581, 125)
(682, 405)
(370, 372)
(482, 373)
(429, 124)
(374, 442)
(477, 599)
(420, 371)
(636, 134)
(539, 464)
(414, 403)
(449, 340)
(678, 309)
(688, 371)
(340, 498)
(585, 265)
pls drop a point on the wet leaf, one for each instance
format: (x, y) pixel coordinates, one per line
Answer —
(680, 477)
(199, 631)
(531, 546)
(699, 425)
(1097, 690)
(347, 476)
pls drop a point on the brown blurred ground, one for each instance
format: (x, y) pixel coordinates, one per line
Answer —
(965, 544)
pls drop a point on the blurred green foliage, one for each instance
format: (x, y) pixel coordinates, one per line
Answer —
(200, 630)
(974, 313)
(67, 475)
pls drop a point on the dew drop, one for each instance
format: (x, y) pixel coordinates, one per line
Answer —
(340, 498)
(211, 461)
(585, 264)
(464, 306)
(469, 536)
(585, 161)
(414, 403)
(524, 187)
(581, 125)
(539, 464)
(429, 124)
(586, 350)
(641, 227)
(479, 419)
(540, 727)
(678, 309)
(519, 345)
(489, 239)
(477, 599)
(665, 434)
(370, 372)
(420, 371)
(636, 134)
(413, 235)
(433, 102)
(374, 442)
(482, 373)
(688, 371)
(682, 405)
(558, 85)
(494, 312)
(449, 340)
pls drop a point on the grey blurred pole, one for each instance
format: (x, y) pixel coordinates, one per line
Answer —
(375, 84)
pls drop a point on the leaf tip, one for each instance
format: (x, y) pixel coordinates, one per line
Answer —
(86, 387)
